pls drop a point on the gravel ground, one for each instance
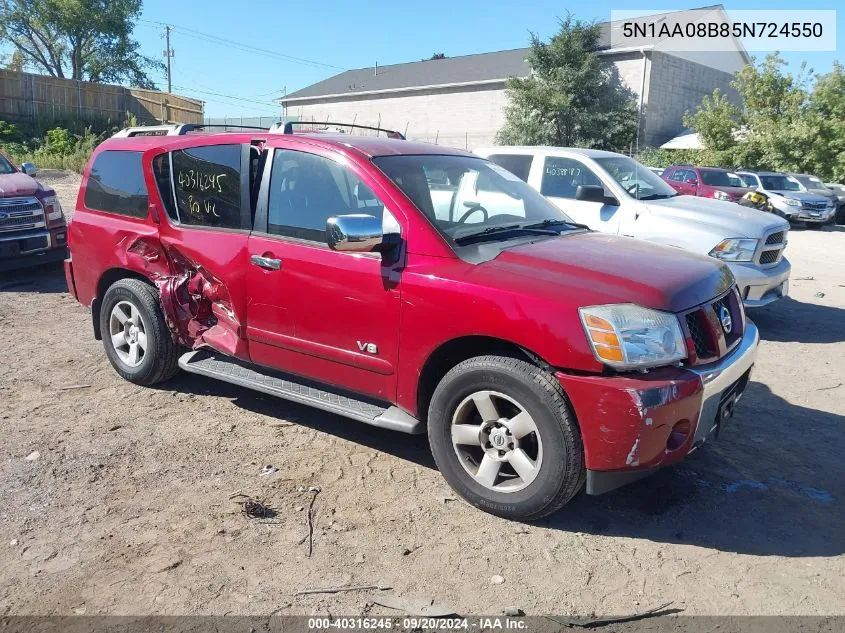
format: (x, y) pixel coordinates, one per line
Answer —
(115, 499)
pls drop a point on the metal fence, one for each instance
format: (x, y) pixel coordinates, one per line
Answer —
(28, 97)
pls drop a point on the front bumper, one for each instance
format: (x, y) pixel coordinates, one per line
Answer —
(812, 217)
(761, 286)
(632, 425)
(32, 248)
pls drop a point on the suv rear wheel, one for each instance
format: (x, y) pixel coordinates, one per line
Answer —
(505, 438)
(135, 336)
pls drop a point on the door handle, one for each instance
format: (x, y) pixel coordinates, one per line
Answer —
(266, 262)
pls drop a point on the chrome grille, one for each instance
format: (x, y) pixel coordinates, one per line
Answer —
(769, 257)
(772, 249)
(775, 238)
(709, 338)
(20, 213)
(814, 206)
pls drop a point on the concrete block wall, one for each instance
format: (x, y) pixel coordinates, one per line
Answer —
(677, 85)
(466, 117)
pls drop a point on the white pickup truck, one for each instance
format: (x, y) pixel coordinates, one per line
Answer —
(613, 193)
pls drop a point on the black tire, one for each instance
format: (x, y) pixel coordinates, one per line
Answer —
(160, 361)
(561, 471)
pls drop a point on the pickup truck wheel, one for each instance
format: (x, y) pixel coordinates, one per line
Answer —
(135, 336)
(504, 437)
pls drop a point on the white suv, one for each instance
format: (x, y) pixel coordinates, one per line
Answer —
(613, 193)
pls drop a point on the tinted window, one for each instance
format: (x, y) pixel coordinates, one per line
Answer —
(206, 183)
(517, 164)
(306, 190)
(5, 166)
(562, 176)
(116, 184)
(717, 178)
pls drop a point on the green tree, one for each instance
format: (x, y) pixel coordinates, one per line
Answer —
(716, 120)
(572, 97)
(88, 40)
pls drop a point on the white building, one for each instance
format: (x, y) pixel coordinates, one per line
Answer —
(460, 101)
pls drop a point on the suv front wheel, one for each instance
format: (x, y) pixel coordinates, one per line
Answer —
(135, 336)
(504, 437)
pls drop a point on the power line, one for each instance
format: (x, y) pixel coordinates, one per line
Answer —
(248, 48)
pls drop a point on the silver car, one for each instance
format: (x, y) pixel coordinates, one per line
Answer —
(790, 199)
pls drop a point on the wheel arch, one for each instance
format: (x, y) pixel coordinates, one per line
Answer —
(105, 281)
(457, 350)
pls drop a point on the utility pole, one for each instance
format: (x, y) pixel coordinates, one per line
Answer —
(168, 53)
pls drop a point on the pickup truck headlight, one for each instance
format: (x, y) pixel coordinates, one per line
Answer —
(735, 249)
(627, 336)
(52, 208)
(792, 202)
(721, 195)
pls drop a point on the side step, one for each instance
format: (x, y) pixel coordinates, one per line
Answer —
(297, 389)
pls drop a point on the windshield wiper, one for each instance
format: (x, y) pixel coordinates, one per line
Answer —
(658, 196)
(503, 228)
(552, 222)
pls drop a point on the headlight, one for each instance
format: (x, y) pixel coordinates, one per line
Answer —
(721, 195)
(792, 202)
(735, 249)
(626, 336)
(52, 208)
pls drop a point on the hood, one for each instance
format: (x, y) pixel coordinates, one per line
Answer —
(17, 184)
(829, 194)
(727, 219)
(803, 196)
(733, 192)
(595, 268)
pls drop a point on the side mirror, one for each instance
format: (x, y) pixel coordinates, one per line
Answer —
(590, 193)
(692, 181)
(357, 233)
(29, 169)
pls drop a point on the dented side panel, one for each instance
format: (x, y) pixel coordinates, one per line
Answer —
(626, 421)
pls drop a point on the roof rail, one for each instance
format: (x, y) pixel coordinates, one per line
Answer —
(287, 128)
(178, 129)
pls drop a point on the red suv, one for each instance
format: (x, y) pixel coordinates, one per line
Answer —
(32, 225)
(416, 288)
(706, 182)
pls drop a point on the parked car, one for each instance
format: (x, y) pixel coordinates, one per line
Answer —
(657, 171)
(814, 184)
(615, 194)
(839, 190)
(706, 182)
(536, 354)
(789, 199)
(32, 225)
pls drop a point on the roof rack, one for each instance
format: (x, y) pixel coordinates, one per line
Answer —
(178, 129)
(287, 128)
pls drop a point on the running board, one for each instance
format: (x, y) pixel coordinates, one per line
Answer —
(299, 390)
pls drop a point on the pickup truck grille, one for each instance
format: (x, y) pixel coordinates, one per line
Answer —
(772, 249)
(707, 339)
(17, 214)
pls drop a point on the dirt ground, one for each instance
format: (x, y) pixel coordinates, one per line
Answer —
(126, 507)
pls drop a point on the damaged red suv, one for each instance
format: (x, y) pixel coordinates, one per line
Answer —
(416, 288)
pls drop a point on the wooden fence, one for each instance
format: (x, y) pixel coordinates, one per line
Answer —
(28, 97)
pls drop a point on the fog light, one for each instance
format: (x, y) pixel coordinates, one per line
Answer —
(680, 433)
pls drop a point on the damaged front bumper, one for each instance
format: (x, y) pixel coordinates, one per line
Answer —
(632, 425)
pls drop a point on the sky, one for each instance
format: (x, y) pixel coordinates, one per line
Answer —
(309, 41)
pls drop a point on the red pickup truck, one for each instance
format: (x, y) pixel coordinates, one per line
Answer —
(32, 225)
(355, 274)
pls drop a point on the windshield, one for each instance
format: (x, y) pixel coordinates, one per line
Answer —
(811, 182)
(780, 183)
(718, 178)
(5, 166)
(638, 180)
(465, 196)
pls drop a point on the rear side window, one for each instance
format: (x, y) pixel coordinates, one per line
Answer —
(517, 164)
(201, 186)
(116, 184)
